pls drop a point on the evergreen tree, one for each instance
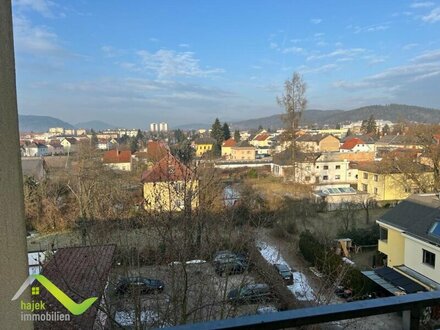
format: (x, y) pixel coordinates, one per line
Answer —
(226, 132)
(371, 125)
(349, 132)
(386, 130)
(217, 131)
(179, 135)
(133, 145)
(338, 126)
(217, 135)
(237, 136)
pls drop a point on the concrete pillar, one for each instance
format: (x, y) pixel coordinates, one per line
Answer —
(13, 250)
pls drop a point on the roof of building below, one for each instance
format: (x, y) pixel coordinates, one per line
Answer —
(117, 156)
(168, 169)
(415, 216)
(80, 272)
(393, 281)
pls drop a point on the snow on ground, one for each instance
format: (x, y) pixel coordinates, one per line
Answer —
(300, 288)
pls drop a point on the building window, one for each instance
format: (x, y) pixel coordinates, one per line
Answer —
(365, 175)
(325, 177)
(337, 177)
(383, 234)
(375, 191)
(325, 167)
(317, 166)
(364, 187)
(376, 177)
(338, 167)
(428, 258)
(307, 178)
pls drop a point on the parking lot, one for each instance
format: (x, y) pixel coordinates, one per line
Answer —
(192, 292)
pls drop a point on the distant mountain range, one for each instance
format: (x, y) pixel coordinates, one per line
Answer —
(391, 112)
(31, 123)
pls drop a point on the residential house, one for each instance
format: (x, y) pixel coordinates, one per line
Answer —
(392, 142)
(355, 144)
(204, 145)
(54, 147)
(79, 272)
(410, 240)
(261, 140)
(317, 143)
(107, 143)
(314, 168)
(169, 185)
(243, 150)
(387, 183)
(227, 148)
(34, 167)
(340, 133)
(118, 159)
(34, 149)
(69, 144)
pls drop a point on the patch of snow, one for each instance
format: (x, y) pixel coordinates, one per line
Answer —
(271, 254)
(300, 288)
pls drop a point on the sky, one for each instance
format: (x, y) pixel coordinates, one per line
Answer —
(133, 62)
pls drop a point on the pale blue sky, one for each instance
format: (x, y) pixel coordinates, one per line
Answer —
(133, 62)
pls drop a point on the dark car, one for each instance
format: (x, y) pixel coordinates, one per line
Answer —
(227, 256)
(229, 266)
(285, 273)
(141, 285)
(250, 293)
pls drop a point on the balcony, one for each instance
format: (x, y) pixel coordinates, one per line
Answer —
(411, 305)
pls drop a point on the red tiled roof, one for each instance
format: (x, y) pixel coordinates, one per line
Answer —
(261, 137)
(351, 143)
(167, 169)
(229, 143)
(117, 156)
(156, 150)
(80, 272)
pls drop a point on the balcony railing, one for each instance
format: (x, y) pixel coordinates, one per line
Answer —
(410, 304)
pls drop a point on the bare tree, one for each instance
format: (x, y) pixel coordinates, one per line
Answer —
(294, 102)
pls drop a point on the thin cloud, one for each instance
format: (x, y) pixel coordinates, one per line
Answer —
(341, 52)
(316, 20)
(433, 16)
(169, 63)
(425, 4)
(35, 40)
(43, 7)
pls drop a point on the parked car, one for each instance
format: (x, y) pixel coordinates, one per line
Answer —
(229, 266)
(139, 284)
(223, 256)
(250, 293)
(285, 273)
